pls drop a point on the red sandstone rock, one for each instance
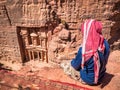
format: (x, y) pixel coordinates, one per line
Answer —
(34, 16)
(64, 34)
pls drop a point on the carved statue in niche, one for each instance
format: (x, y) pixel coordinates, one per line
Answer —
(38, 11)
(42, 39)
(25, 8)
(25, 38)
(34, 39)
(32, 11)
(29, 14)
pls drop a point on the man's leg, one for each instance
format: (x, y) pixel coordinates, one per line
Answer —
(69, 70)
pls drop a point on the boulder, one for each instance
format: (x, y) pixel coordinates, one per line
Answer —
(64, 34)
(52, 46)
(73, 37)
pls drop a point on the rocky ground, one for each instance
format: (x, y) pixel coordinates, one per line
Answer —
(43, 76)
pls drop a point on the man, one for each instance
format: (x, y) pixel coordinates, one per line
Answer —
(92, 56)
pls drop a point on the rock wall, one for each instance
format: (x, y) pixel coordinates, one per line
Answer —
(73, 14)
(114, 39)
(62, 19)
(9, 47)
(64, 44)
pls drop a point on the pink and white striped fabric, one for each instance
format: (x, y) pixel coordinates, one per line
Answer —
(92, 42)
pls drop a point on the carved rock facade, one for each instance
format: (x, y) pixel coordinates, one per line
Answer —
(23, 22)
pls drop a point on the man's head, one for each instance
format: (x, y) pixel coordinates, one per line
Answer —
(95, 25)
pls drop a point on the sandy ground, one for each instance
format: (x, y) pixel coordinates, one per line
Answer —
(111, 81)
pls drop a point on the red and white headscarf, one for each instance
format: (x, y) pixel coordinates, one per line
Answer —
(92, 42)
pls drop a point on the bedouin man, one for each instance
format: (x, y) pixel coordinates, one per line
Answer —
(91, 59)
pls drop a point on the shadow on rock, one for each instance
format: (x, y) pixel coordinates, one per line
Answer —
(106, 79)
(1, 65)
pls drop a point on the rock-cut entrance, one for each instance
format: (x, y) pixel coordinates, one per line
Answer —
(33, 43)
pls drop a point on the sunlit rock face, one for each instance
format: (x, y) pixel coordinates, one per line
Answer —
(55, 25)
